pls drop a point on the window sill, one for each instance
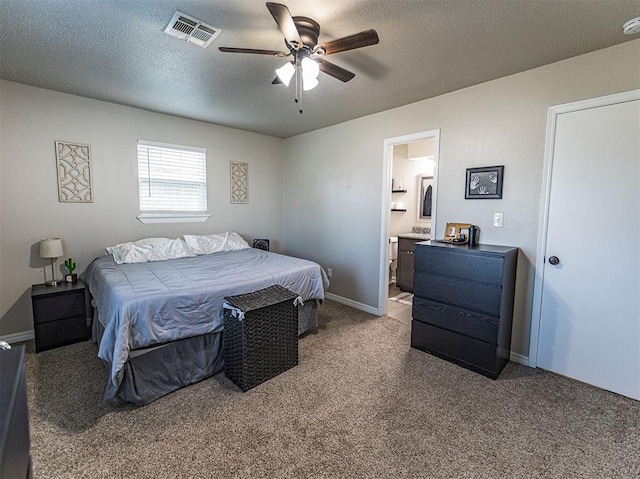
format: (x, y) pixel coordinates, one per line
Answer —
(149, 219)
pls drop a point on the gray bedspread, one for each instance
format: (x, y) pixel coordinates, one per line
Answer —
(153, 303)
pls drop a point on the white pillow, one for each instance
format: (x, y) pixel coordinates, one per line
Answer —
(148, 249)
(207, 244)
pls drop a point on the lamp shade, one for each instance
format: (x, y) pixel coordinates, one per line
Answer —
(309, 83)
(51, 248)
(310, 71)
(285, 73)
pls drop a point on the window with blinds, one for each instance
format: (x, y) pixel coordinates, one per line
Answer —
(172, 181)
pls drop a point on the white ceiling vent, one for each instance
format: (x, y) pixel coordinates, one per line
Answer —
(191, 30)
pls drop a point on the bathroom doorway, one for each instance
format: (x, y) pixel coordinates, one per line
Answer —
(410, 166)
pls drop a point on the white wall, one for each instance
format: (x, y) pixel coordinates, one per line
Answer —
(408, 171)
(333, 176)
(31, 119)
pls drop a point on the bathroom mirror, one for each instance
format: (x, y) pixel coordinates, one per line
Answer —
(425, 199)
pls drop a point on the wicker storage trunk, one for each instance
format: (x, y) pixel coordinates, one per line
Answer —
(260, 335)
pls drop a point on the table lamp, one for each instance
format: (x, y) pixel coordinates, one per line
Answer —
(51, 248)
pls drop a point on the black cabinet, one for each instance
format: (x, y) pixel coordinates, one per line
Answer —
(15, 459)
(463, 304)
(404, 271)
(59, 315)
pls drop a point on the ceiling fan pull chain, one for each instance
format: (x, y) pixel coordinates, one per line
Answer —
(300, 90)
(299, 86)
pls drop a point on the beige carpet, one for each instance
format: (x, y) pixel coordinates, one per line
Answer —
(361, 404)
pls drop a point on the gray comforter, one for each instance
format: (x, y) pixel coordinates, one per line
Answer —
(145, 304)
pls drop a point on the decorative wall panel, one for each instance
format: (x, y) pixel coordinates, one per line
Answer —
(74, 172)
(239, 182)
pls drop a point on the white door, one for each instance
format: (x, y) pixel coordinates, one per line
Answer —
(590, 312)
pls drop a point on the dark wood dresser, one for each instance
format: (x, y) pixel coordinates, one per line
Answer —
(15, 459)
(463, 304)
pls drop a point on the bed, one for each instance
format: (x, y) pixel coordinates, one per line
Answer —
(159, 323)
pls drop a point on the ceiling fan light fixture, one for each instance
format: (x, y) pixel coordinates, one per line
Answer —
(301, 38)
(310, 72)
(285, 73)
(310, 68)
(309, 83)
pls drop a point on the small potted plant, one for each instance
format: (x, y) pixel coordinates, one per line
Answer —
(70, 277)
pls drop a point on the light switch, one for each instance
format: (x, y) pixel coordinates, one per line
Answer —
(497, 220)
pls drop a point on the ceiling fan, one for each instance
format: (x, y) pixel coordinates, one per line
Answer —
(301, 39)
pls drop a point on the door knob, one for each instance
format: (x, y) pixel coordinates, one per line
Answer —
(554, 260)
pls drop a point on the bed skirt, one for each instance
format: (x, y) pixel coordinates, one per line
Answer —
(153, 372)
(150, 373)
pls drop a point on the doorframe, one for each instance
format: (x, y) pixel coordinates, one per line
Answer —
(552, 118)
(387, 164)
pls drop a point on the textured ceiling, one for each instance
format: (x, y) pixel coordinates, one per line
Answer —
(116, 51)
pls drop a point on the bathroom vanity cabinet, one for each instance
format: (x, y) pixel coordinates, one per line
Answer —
(404, 271)
(463, 304)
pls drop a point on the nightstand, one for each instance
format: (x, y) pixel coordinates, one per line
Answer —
(59, 315)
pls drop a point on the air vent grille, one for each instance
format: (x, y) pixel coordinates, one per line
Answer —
(191, 30)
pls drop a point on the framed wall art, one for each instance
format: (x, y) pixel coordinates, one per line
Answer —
(73, 162)
(484, 183)
(239, 182)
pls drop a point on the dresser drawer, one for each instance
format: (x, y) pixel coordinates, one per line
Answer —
(462, 321)
(470, 353)
(480, 297)
(460, 264)
(58, 306)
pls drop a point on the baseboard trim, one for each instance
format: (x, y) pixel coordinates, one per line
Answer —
(519, 358)
(513, 356)
(354, 304)
(18, 337)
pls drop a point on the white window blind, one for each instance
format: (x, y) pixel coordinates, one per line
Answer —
(172, 179)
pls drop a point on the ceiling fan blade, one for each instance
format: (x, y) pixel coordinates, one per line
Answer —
(351, 42)
(335, 71)
(285, 22)
(274, 53)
